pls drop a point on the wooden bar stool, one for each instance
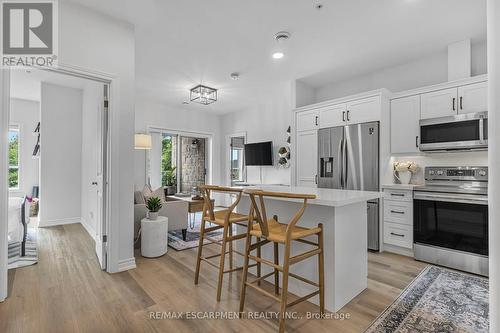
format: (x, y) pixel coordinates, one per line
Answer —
(278, 233)
(223, 219)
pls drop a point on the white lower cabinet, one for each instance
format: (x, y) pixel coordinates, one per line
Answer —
(398, 218)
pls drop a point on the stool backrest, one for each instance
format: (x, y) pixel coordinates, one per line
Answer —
(208, 206)
(258, 208)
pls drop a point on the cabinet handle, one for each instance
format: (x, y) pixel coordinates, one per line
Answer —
(343, 115)
(397, 195)
(416, 141)
(316, 120)
(454, 103)
(397, 212)
(461, 106)
(348, 119)
(316, 179)
(399, 235)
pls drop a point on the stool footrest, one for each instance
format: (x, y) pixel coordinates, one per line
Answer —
(267, 262)
(262, 277)
(305, 255)
(302, 299)
(303, 279)
(305, 241)
(238, 268)
(265, 292)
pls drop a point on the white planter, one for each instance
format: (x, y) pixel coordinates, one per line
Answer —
(153, 215)
(404, 177)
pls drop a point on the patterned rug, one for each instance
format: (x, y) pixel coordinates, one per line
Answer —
(14, 258)
(438, 300)
(176, 242)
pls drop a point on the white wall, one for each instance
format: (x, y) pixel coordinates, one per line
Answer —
(494, 149)
(268, 120)
(426, 71)
(61, 155)
(92, 102)
(155, 114)
(26, 114)
(97, 42)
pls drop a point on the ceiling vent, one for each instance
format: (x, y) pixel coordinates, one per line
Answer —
(282, 36)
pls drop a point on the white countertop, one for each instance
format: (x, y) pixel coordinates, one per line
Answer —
(409, 187)
(324, 196)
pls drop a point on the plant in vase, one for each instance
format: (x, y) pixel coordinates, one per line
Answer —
(153, 205)
(170, 181)
(404, 170)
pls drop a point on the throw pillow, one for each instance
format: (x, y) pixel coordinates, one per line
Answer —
(159, 192)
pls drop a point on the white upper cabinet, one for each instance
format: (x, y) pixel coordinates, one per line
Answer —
(307, 120)
(332, 116)
(363, 110)
(307, 155)
(405, 116)
(473, 98)
(439, 103)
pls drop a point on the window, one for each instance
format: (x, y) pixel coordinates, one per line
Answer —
(237, 160)
(13, 157)
(237, 164)
(168, 160)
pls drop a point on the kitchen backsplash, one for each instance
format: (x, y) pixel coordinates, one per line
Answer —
(478, 158)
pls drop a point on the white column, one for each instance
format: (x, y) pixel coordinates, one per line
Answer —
(4, 194)
(493, 9)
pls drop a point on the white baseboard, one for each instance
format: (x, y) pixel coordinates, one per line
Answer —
(88, 228)
(126, 264)
(51, 223)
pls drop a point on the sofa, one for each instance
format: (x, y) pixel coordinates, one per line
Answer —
(176, 210)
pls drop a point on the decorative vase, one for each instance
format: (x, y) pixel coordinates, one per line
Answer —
(153, 216)
(404, 177)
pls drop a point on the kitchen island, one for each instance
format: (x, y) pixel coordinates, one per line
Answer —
(344, 217)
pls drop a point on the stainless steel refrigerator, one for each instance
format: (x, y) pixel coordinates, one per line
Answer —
(349, 160)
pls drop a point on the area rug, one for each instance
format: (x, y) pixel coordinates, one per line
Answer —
(176, 242)
(14, 257)
(438, 300)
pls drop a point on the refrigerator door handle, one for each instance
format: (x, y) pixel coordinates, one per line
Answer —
(345, 162)
(341, 162)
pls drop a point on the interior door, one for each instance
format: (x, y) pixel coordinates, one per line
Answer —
(362, 155)
(100, 185)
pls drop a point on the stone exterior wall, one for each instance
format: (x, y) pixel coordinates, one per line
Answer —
(193, 163)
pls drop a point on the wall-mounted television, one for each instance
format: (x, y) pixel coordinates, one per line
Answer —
(260, 153)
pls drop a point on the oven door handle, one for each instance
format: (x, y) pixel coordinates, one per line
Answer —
(459, 198)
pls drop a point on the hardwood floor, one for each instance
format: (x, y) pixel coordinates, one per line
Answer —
(67, 292)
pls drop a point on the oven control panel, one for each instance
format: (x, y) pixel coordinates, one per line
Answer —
(456, 173)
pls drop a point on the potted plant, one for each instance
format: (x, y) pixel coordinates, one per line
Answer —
(153, 205)
(170, 181)
(404, 170)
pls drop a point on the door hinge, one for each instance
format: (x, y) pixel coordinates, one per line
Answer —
(106, 104)
(104, 238)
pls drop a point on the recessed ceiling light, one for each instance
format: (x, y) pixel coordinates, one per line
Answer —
(235, 76)
(278, 55)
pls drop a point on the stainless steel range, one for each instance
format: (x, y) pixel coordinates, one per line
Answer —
(451, 218)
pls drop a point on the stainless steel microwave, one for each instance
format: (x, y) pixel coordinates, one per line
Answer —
(460, 132)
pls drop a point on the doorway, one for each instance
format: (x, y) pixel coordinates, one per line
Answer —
(58, 171)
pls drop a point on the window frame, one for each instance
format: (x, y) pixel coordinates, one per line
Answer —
(17, 128)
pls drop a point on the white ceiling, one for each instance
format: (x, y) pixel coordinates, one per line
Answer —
(180, 44)
(26, 84)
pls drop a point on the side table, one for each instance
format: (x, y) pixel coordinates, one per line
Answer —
(154, 239)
